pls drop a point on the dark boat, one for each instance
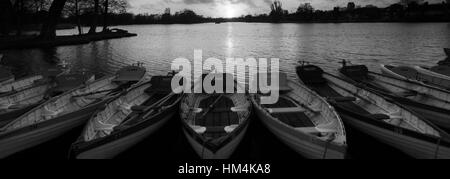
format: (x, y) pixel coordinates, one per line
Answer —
(304, 121)
(127, 120)
(432, 102)
(61, 113)
(215, 124)
(378, 116)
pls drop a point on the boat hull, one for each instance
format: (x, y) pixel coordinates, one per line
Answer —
(299, 142)
(9, 116)
(440, 117)
(412, 146)
(27, 137)
(224, 152)
(112, 149)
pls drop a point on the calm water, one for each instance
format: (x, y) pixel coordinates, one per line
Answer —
(325, 44)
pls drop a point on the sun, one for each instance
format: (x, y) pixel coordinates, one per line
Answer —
(229, 11)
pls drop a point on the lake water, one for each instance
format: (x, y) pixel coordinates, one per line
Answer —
(325, 44)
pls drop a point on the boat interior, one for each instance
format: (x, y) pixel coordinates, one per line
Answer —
(415, 91)
(127, 109)
(20, 84)
(302, 109)
(441, 69)
(68, 102)
(370, 105)
(23, 98)
(405, 71)
(215, 116)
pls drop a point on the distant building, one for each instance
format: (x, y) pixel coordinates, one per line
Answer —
(351, 6)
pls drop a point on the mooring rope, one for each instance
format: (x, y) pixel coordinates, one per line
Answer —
(436, 153)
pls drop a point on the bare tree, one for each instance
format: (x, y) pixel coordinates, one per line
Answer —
(105, 16)
(94, 21)
(48, 30)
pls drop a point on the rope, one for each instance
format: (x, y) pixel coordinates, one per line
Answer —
(436, 153)
(326, 150)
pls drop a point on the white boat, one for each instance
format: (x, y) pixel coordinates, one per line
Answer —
(34, 91)
(304, 121)
(432, 102)
(20, 84)
(215, 124)
(418, 74)
(127, 120)
(58, 115)
(379, 117)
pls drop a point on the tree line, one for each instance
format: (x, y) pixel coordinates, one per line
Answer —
(15, 14)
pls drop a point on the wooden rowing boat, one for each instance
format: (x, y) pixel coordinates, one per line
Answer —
(58, 115)
(432, 102)
(20, 84)
(417, 74)
(34, 91)
(215, 124)
(304, 121)
(377, 116)
(127, 120)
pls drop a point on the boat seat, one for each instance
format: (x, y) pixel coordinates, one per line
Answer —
(230, 128)
(233, 109)
(286, 110)
(215, 129)
(199, 129)
(239, 109)
(308, 130)
(197, 110)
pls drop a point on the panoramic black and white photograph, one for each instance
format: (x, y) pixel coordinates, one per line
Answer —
(258, 80)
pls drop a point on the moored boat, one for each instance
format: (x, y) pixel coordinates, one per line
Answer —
(214, 124)
(304, 121)
(432, 102)
(377, 116)
(127, 120)
(416, 73)
(20, 84)
(35, 91)
(59, 114)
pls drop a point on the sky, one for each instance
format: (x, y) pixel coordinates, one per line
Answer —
(235, 8)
